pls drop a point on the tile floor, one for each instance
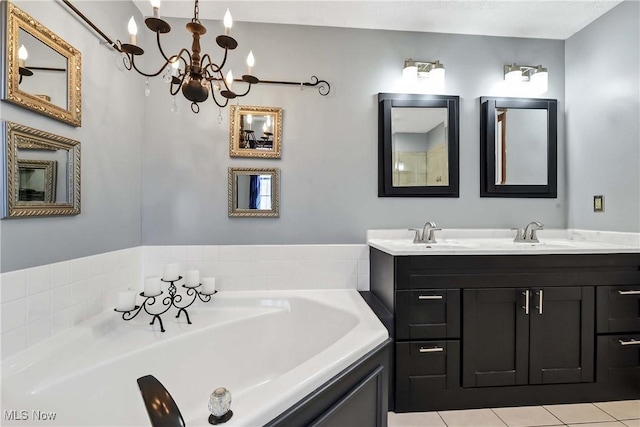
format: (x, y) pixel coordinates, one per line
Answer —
(624, 413)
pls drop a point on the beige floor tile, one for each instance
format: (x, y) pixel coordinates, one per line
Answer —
(605, 424)
(621, 410)
(579, 413)
(415, 419)
(631, 423)
(525, 416)
(472, 418)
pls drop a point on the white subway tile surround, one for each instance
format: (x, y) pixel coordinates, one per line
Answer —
(42, 301)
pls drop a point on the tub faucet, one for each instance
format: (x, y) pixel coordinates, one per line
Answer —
(425, 235)
(529, 232)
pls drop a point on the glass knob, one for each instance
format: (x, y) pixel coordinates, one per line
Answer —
(219, 402)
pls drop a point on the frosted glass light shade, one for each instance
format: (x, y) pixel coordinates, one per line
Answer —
(410, 72)
(540, 81)
(514, 76)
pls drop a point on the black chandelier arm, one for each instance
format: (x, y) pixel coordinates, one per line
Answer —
(215, 99)
(214, 67)
(246, 92)
(177, 83)
(160, 47)
(133, 64)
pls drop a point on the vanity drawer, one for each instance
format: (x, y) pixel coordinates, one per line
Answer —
(618, 309)
(427, 314)
(619, 360)
(425, 367)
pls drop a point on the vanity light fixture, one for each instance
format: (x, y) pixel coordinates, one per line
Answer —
(434, 71)
(534, 75)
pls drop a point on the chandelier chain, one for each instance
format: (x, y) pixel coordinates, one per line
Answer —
(196, 13)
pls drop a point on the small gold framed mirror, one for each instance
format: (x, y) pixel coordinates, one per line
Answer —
(254, 192)
(43, 173)
(42, 71)
(255, 131)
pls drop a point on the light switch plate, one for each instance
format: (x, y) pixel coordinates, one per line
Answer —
(598, 203)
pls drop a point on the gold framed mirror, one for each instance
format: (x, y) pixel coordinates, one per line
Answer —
(42, 71)
(255, 131)
(43, 173)
(254, 192)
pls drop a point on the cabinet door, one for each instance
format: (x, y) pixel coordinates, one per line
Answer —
(562, 335)
(495, 337)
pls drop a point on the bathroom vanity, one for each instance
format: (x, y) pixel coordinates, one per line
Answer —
(477, 325)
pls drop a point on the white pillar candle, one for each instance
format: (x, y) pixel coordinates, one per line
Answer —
(151, 286)
(170, 272)
(208, 285)
(126, 301)
(192, 278)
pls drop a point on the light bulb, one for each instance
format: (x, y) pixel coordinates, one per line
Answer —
(437, 77)
(410, 70)
(268, 121)
(133, 30)
(174, 67)
(250, 62)
(228, 22)
(156, 8)
(514, 74)
(540, 80)
(229, 79)
(22, 53)
(249, 119)
(265, 128)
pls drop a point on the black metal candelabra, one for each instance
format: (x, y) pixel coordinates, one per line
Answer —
(172, 300)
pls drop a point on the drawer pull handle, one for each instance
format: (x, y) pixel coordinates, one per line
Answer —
(430, 297)
(438, 349)
(629, 292)
(623, 342)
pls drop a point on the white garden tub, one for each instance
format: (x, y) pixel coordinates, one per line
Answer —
(270, 349)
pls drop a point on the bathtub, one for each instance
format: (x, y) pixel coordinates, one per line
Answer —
(269, 348)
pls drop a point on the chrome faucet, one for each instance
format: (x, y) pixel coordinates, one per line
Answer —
(425, 235)
(528, 234)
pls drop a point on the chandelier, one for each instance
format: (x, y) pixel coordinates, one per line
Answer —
(190, 71)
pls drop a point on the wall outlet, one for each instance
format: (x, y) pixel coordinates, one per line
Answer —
(598, 203)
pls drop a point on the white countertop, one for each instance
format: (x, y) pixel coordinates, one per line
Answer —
(500, 242)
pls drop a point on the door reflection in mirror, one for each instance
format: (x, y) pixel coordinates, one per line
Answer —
(521, 146)
(253, 192)
(419, 147)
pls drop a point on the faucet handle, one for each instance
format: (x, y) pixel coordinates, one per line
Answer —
(418, 236)
(519, 234)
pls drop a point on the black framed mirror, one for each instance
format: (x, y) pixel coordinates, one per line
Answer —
(418, 148)
(518, 147)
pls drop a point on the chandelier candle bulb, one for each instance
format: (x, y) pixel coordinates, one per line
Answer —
(192, 279)
(156, 8)
(250, 63)
(152, 286)
(228, 22)
(133, 30)
(170, 272)
(229, 79)
(175, 65)
(126, 301)
(23, 54)
(208, 285)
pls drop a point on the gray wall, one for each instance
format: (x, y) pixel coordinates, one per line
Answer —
(111, 137)
(603, 113)
(329, 147)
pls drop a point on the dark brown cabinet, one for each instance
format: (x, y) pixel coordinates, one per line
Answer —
(517, 336)
(503, 330)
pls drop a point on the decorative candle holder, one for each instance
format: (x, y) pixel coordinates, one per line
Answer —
(172, 300)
